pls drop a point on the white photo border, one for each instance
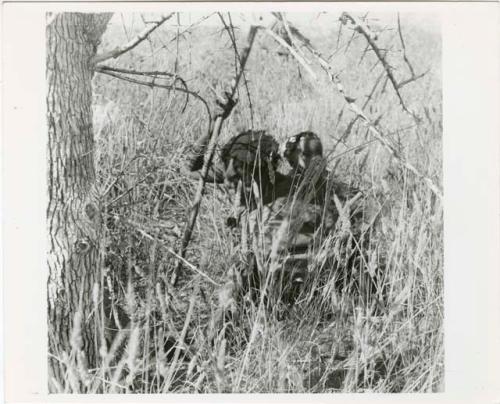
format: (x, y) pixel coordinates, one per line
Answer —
(471, 88)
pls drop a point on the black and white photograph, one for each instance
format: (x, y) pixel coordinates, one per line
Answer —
(244, 202)
(234, 200)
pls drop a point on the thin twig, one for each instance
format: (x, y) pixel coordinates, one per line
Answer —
(288, 29)
(371, 126)
(414, 76)
(191, 266)
(350, 126)
(230, 30)
(214, 134)
(176, 63)
(412, 79)
(339, 34)
(171, 371)
(375, 132)
(169, 250)
(180, 35)
(103, 68)
(370, 37)
(153, 74)
(405, 58)
(120, 50)
(299, 58)
(152, 84)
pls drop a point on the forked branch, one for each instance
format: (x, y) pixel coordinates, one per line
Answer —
(405, 58)
(212, 143)
(120, 50)
(370, 37)
(414, 76)
(295, 54)
(351, 102)
(121, 74)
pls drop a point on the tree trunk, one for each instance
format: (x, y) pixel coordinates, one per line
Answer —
(73, 212)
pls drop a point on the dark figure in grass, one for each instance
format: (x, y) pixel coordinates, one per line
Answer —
(284, 218)
(354, 217)
(281, 216)
(250, 158)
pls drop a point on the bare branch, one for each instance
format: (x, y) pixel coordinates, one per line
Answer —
(104, 68)
(339, 34)
(299, 58)
(179, 36)
(414, 76)
(230, 30)
(359, 26)
(113, 73)
(212, 144)
(412, 79)
(170, 251)
(370, 37)
(371, 125)
(120, 50)
(153, 74)
(378, 135)
(405, 58)
(289, 30)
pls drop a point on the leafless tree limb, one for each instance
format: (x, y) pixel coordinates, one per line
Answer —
(351, 102)
(414, 76)
(153, 74)
(299, 58)
(378, 135)
(190, 27)
(214, 135)
(230, 30)
(104, 68)
(179, 35)
(412, 79)
(405, 58)
(339, 34)
(350, 126)
(120, 50)
(359, 26)
(119, 74)
(371, 37)
(170, 251)
(281, 17)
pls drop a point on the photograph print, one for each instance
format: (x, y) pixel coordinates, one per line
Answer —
(244, 202)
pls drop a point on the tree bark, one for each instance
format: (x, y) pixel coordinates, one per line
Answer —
(73, 213)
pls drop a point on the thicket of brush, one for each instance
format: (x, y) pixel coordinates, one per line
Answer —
(157, 338)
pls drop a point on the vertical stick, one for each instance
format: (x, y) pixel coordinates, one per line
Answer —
(219, 120)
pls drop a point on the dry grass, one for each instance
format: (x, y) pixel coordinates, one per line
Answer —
(332, 339)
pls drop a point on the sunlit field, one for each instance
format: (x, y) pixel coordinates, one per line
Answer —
(157, 338)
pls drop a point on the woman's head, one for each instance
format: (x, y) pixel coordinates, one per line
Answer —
(300, 149)
(251, 155)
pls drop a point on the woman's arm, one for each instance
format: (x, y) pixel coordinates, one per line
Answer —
(195, 158)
